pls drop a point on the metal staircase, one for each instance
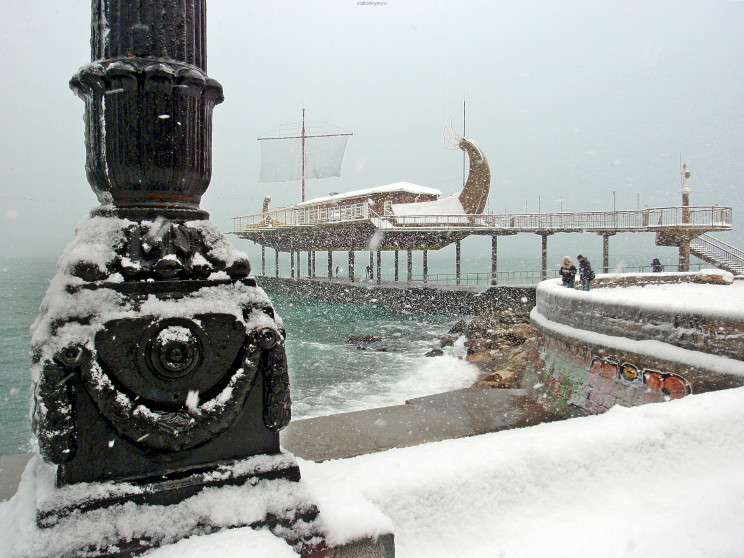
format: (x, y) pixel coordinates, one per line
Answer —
(718, 253)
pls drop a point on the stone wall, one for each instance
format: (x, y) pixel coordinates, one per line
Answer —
(709, 333)
(591, 355)
(416, 299)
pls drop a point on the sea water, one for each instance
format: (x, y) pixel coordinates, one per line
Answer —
(327, 373)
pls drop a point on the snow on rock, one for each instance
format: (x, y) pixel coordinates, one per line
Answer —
(717, 276)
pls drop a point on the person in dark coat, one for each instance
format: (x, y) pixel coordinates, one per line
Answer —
(568, 272)
(656, 266)
(585, 271)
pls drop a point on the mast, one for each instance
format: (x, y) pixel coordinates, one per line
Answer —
(464, 155)
(303, 154)
(286, 159)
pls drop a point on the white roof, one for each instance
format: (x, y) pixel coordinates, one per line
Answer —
(397, 186)
(445, 206)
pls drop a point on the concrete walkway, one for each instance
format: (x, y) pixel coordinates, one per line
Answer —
(455, 414)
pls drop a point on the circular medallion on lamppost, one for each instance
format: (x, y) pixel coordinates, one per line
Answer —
(174, 352)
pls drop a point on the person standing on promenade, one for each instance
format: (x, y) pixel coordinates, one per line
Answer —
(585, 271)
(568, 272)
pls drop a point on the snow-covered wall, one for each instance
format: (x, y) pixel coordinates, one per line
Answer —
(635, 344)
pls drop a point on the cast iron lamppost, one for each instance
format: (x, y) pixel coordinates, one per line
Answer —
(159, 366)
(157, 360)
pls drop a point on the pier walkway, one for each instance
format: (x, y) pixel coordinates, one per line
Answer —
(295, 230)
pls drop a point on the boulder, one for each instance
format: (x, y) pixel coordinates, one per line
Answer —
(447, 340)
(479, 345)
(478, 355)
(714, 277)
(501, 379)
(363, 338)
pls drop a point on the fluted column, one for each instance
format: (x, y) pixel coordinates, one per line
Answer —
(148, 107)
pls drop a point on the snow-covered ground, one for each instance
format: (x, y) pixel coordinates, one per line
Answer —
(698, 298)
(653, 481)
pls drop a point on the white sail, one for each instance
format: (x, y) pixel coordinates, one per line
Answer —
(281, 154)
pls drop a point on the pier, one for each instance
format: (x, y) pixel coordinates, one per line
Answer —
(296, 230)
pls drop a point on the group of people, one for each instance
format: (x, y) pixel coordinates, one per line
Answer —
(568, 272)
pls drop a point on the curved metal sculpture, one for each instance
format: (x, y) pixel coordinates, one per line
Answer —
(475, 192)
(478, 184)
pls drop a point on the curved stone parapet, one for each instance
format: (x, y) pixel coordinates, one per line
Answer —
(601, 348)
(709, 330)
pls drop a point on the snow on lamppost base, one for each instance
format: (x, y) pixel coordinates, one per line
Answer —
(159, 368)
(117, 360)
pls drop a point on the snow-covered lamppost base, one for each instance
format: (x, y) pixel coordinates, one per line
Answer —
(346, 526)
(159, 368)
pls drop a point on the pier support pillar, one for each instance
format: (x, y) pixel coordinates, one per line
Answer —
(299, 263)
(277, 262)
(313, 274)
(544, 258)
(409, 264)
(292, 264)
(457, 262)
(310, 263)
(426, 266)
(684, 254)
(330, 263)
(494, 258)
(606, 251)
(379, 266)
(371, 264)
(397, 262)
(263, 260)
(351, 265)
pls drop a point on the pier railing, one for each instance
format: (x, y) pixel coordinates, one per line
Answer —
(528, 277)
(718, 252)
(502, 278)
(650, 219)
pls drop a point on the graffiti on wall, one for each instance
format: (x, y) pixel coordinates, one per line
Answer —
(671, 385)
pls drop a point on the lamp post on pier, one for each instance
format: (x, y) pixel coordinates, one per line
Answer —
(684, 246)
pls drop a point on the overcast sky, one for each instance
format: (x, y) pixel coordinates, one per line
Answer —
(571, 101)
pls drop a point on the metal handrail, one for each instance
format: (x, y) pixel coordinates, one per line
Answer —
(504, 278)
(523, 277)
(649, 219)
(719, 249)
